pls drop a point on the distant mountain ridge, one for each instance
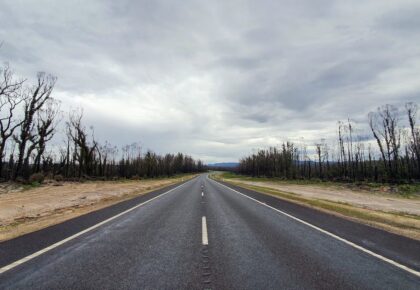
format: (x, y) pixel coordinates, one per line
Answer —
(224, 164)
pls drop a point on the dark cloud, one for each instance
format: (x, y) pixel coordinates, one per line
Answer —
(217, 78)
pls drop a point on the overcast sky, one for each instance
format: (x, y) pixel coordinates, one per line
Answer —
(216, 79)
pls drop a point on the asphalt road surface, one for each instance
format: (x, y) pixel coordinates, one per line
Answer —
(204, 235)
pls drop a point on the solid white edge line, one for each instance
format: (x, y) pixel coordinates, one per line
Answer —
(205, 239)
(392, 262)
(55, 245)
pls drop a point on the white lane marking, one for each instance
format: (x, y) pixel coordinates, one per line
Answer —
(202, 194)
(392, 262)
(205, 239)
(40, 252)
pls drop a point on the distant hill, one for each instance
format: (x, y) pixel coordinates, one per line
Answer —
(224, 164)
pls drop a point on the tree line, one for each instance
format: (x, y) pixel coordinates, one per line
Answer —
(390, 153)
(30, 117)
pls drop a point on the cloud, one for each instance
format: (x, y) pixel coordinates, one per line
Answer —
(215, 78)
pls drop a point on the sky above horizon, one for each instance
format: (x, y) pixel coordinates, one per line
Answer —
(217, 79)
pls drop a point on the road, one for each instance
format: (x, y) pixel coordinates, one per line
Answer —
(204, 235)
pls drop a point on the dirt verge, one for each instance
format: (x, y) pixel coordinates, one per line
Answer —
(24, 210)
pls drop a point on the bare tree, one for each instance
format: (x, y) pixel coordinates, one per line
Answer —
(84, 150)
(384, 126)
(9, 102)
(374, 126)
(37, 96)
(45, 128)
(415, 133)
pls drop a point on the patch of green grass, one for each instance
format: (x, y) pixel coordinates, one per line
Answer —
(409, 189)
(31, 185)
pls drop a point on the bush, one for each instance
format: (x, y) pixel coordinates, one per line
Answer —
(20, 180)
(58, 178)
(36, 177)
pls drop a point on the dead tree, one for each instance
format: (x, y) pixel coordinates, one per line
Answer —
(9, 102)
(342, 154)
(318, 149)
(384, 126)
(373, 124)
(415, 133)
(84, 150)
(45, 129)
(34, 102)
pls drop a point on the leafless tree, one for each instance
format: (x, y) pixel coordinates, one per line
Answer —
(10, 98)
(415, 133)
(384, 126)
(45, 129)
(34, 101)
(84, 149)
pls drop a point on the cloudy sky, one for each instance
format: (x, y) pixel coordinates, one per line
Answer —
(217, 78)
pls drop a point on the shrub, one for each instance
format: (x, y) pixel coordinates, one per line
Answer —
(58, 177)
(36, 177)
(20, 180)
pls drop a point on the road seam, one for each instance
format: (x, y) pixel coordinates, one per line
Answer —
(392, 262)
(55, 245)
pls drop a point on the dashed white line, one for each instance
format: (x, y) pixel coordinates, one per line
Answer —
(205, 239)
(55, 245)
(385, 259)
(202, 194)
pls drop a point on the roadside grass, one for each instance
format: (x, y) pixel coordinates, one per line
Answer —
(182, 176)
(400, 190)
(30, 186)
(397, 222)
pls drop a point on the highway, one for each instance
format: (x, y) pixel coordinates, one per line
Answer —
(203, 234)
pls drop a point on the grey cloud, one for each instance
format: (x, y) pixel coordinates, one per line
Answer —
(404, 20)
(217, 78)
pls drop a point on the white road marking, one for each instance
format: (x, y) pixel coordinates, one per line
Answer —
(205, 239)
(392, 262)
(202, 194)
(53, 246)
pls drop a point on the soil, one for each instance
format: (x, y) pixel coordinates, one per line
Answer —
(376, 201)
(25, 210)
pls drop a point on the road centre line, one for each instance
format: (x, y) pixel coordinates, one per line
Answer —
(205, 239)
